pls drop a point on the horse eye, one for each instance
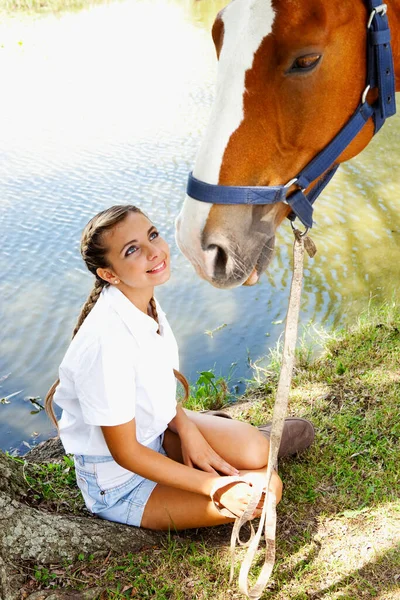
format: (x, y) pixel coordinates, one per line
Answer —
(305, 63)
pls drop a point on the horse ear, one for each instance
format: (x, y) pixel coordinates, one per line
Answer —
(218, 33)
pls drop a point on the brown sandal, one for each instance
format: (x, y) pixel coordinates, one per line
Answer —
(298, 434)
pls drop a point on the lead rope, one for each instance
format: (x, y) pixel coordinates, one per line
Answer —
(268, 516)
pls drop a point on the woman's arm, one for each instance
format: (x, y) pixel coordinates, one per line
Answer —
(196, 451)
(130, 454)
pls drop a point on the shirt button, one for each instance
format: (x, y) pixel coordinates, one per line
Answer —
(102, 493)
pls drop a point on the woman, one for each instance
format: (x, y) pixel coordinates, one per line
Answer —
(140, 458)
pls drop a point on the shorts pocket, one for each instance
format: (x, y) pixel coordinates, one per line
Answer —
(83, 485)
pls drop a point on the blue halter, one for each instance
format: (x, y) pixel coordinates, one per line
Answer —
(380, 75)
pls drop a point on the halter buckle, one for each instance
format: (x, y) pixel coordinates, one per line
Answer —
(379, 10)
(289, 185)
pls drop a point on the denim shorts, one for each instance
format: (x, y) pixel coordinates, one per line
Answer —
(110, 491)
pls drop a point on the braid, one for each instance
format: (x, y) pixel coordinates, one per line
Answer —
(181, 378)
(87, 307)
(48, 403)
(154, 313)
(185, 384)
(94, 295)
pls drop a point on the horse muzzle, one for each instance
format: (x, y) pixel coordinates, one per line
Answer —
(225, 264)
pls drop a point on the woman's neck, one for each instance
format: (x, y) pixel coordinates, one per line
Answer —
(139, 297)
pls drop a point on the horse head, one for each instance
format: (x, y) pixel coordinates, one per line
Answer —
(290, 75)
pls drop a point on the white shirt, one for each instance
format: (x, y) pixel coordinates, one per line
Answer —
(116, 368)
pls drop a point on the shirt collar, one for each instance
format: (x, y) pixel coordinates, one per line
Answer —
(132, 316)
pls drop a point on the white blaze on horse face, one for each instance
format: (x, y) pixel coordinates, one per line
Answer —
(246, 24)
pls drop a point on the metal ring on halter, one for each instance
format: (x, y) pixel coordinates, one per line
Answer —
(287, 186)
(290, 183)
(365, 93)
(304, 233)
(381, 9)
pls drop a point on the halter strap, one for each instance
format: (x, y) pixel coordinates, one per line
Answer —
(380, 69)
(380, 74)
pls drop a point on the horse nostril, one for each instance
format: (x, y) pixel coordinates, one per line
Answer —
(220, 261)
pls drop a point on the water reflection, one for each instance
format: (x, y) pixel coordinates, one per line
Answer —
(117, 116)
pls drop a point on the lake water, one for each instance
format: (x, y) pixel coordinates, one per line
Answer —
(108, 106)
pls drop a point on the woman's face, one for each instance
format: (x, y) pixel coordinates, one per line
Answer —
(138, 256)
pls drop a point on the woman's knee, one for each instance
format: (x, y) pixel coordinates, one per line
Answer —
(255, 450)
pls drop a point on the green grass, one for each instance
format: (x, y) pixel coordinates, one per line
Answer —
(52, 486)
(338, 533)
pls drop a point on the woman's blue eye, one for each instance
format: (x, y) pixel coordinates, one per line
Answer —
(154, 235)
(131, 250)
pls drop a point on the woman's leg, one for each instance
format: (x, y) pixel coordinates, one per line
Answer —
(240, 444)
(170, 508)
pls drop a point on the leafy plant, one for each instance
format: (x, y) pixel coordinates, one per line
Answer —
(209, 392)
(44, 576)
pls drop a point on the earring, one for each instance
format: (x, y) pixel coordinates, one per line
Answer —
(116, 281)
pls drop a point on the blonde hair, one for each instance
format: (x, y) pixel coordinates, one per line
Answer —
(93, 251)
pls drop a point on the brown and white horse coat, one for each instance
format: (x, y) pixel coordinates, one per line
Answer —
(290, 74)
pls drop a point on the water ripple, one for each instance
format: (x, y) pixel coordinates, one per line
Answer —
(111, 123)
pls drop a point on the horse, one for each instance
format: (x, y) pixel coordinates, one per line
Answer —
(290, 75)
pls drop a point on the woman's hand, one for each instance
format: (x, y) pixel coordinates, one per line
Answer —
(236, 496)
(197, 452)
